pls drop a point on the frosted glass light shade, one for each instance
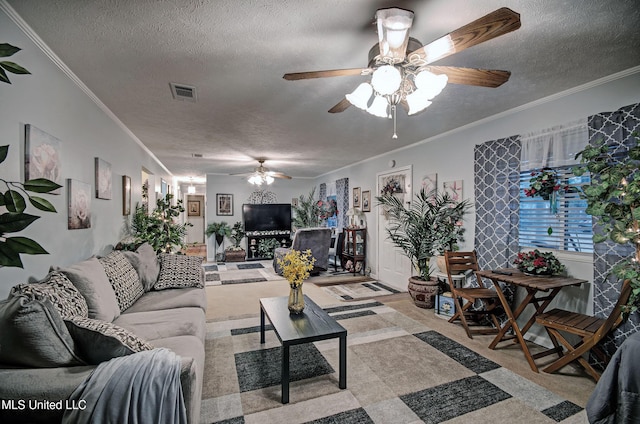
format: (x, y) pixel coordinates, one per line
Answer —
(191, 189)
(393, 32)
(379, 107)
(386, 79)
(417, 102)
(360, 96)
(430, 84)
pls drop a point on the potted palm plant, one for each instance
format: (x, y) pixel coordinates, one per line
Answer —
(418, 231)
(450, 231)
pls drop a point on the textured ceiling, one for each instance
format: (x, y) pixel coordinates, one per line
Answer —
(235, 53)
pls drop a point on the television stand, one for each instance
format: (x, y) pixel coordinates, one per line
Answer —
(261, 244)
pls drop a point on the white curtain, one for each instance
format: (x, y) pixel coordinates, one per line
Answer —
(555, 146)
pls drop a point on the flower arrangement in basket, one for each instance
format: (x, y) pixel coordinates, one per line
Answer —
(536, 262)
(545, 183)
(296, 266)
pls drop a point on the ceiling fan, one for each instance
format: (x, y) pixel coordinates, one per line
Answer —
(400, 66)
(262, 175)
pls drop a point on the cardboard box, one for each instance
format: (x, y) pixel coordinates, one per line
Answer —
(445, 305)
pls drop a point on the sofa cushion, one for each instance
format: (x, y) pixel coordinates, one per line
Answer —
(178, 271)
(33, 334)
(123, 278)
(89, 277)
(99, 341)
(145, 262)
(153, 325)
(61, 292)
(170, 299)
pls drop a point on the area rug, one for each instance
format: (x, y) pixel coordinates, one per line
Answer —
(260, 271)
(365, 290)
(398, 371)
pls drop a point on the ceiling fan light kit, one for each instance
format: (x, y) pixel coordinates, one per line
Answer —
(262, 175)
(408, 79)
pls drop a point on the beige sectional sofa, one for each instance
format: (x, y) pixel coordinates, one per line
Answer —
(54, 333)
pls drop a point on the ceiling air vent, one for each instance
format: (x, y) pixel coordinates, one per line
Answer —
(197, 155)
(183, 92)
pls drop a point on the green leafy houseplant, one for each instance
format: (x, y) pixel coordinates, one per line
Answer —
(613, 199)
(160, 228)
(219, 230)
(421, 229)
(266, 246)
(7, 50)
(236, 234)
(15, 219)
(307, 213)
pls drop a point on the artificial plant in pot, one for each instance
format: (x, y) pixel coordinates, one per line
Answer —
(613, 199)
(449, 231)
(307, 213)
(159, 228)
(414, 230)
(218, 229)
(236, 253)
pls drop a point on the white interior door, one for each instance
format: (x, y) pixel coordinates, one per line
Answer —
(394, 268)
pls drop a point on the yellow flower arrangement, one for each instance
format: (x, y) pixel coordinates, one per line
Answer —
(296, 266)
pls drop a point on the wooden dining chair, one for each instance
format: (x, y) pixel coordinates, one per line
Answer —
(591, 330)
(466, 297)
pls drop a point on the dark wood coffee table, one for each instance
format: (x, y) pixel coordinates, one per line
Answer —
(312, 325)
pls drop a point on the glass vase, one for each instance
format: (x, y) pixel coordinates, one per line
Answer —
(296, 300)
(553, 203)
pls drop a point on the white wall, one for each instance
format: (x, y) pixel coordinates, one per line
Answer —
(285, 190)
(51, 101)
(451, 157)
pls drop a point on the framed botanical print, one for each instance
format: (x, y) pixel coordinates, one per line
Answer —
(193, 208)
(224, 204)
(126, 195)
(103, 179)
(356, 197)
(454, 189)
(42, 156)
(79, 205)
(366, 201)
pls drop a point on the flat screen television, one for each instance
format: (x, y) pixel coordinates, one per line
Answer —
(267, 217)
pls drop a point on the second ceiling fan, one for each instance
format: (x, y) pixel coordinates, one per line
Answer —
(400, 66)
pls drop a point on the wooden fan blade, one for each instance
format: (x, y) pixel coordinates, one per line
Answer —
(341, 106)
(472, 76)
(495, 24)
(326, 74)
(279, 175)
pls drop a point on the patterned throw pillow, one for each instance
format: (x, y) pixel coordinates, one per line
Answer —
(98, 341)
(179, 271)
(123, 278)
(60, 291)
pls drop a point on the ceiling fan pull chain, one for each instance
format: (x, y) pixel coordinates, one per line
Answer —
(393, 109)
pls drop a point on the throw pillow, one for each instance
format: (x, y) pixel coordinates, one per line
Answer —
(33, 334)
(98, 341)
(145, 262)
(61, 292)
(89, 277)
(178, 271)
(123, 278)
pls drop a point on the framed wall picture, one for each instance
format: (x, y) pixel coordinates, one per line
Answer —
(42, 156)
(126, 195)
(224, 204)
(103, 179)
(193, 208)
(454, 189)
(366, 201)
(164, 187)
(356, 197)
(79, 205)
